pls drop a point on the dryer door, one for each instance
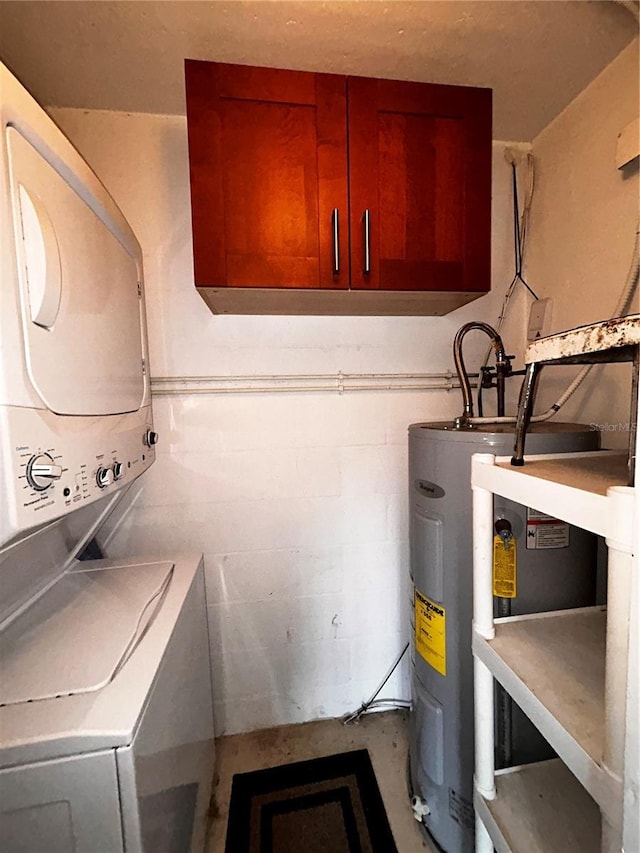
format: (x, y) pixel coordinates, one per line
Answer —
(80, 288)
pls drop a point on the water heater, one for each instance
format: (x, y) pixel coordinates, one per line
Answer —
(554, 568)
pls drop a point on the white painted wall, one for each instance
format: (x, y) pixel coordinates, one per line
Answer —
(297, 500)
(582, 232)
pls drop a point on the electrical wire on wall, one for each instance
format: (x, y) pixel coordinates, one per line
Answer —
(520, 228)
(621, 308)
(373, 703)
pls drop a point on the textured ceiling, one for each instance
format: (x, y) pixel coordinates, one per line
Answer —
(535, 54)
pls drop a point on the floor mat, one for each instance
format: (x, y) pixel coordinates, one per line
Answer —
(325, 805)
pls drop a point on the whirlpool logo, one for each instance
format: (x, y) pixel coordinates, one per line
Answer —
(428, 489)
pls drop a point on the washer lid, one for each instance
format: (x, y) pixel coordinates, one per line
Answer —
(78, 636)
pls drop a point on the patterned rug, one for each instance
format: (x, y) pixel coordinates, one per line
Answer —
(325, 805)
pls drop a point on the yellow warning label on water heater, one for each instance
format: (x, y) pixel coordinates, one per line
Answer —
(504, 567)
(431, 632)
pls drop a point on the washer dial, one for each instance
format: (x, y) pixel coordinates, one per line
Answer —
(42, 471)
(150, 438)
(104, 477)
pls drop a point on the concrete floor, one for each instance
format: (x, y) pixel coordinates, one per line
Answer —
(383, 734)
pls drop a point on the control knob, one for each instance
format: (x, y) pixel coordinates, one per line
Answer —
(42, 471)
(150, 438)
(104, 477)
(118, 470)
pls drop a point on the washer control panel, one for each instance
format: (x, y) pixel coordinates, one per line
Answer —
(48, 479)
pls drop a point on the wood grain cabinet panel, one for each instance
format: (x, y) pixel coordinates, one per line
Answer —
(303, 181)
(268, 160)
(420, 164)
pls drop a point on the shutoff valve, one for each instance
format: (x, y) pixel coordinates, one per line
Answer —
(504, 531)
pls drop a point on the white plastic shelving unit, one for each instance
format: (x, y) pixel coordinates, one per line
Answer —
(574, 672)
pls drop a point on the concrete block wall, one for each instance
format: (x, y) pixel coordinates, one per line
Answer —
(303, 524)
(298, 501)
(583, 227)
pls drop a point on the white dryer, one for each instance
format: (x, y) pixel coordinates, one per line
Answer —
(75, 402)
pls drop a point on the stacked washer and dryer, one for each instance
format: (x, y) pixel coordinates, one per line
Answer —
(106, 716)
(549, 566)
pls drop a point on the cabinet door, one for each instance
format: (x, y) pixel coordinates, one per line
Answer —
(268, 160)
(420, 165)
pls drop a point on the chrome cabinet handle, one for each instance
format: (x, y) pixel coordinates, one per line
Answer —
(366, 221)
(335, 222)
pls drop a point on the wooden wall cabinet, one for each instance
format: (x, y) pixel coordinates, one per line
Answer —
(323, 194)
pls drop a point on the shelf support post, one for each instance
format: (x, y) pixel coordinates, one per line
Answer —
(482, 552)
(484, 844)
(484, 731)
(483, 625)
(619, 571)
(631, 804)
(618, 598)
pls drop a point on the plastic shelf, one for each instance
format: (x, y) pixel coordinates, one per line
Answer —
(538, 808)
(553, 665)
(569, 486)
